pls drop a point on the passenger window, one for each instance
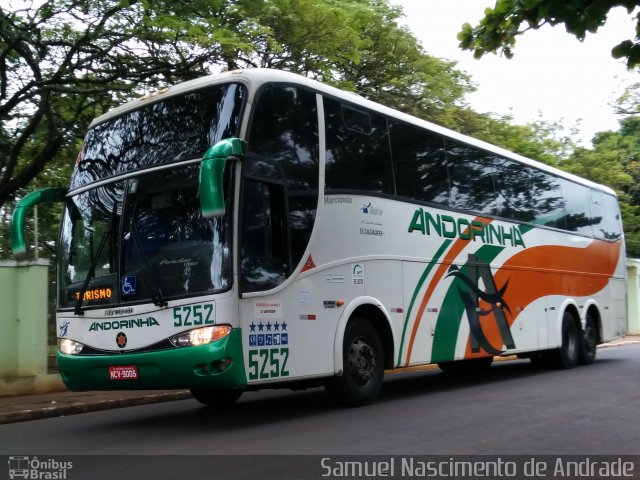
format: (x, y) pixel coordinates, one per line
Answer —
(419, 164)
(513, 191)
(284, 130)
(598, 220)
(471, 176)
(613, 219)
(356, 159)
(547, 197)
(577, 217)
(284, 149)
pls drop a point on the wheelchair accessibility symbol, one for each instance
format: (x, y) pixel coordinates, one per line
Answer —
(129, 285)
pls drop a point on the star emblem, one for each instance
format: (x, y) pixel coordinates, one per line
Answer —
(121, 340)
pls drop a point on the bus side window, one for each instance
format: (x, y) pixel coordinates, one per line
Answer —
(576, 215)
(284, 147)
(265, 262)
(598, 214)
(513, 190)
(357, 153)
(613, 220)
(549, 203)
(471, 173)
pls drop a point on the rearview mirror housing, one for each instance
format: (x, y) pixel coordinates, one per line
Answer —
(212, 173)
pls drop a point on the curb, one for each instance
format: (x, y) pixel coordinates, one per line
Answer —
(619, 344)
(76, 408)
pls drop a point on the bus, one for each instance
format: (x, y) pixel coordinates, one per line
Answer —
(257, 229)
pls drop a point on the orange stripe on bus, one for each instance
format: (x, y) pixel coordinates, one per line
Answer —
(550, 270)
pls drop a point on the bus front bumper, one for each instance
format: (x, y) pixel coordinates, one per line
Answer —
(217, 365)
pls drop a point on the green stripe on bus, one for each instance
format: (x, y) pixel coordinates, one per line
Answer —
(424, 276)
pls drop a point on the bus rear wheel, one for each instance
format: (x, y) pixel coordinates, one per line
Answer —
(216, 397)
(589, 342)
(363, 366)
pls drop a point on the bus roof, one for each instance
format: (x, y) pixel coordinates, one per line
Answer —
(255, 77)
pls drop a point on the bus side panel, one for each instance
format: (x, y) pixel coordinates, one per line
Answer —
(614, 318)
(383, 280)
(290, 334)
(415, 286)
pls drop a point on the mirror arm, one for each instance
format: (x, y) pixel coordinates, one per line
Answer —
(43, 195)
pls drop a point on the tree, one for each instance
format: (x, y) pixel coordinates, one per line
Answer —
(509, 18)
(542, 141)
(66, 61)
(629, 102)
(392, 68)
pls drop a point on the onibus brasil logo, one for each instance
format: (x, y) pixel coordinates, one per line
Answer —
(35, 468)
(491, 295)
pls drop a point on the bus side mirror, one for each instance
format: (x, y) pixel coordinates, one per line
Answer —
(43, 195)
(212, 173)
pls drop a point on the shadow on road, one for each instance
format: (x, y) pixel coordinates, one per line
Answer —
(260, 409)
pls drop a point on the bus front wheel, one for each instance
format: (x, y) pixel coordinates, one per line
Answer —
(216, 397)
(363, 366)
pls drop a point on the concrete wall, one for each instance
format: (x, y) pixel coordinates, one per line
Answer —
(23, 327)
(633, 296)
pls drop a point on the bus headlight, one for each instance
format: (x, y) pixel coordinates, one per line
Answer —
(200, 336)
(69, 347)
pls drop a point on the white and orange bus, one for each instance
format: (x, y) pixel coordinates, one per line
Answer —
(257, 229)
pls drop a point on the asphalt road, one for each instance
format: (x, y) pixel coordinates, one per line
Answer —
(513, 409)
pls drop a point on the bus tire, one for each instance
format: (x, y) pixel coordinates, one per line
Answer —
(466, 367)
(566, 356)
(216, 397)
(363, 366)
(589, 342)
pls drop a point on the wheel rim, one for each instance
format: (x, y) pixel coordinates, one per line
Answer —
(361, 361)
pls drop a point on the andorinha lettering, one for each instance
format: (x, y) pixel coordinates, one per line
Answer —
(122, 324)
(95, 294)
(449, 227)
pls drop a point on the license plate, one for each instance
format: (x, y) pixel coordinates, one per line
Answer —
(123, 373)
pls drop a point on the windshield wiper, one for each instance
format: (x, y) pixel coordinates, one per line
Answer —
(92, 270)
(156, 293)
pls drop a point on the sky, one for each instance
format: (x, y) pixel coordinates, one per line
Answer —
(552, 76)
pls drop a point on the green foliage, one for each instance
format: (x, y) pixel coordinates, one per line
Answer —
(540, 140)
(498, 30)
(64, 62)
(629, 102)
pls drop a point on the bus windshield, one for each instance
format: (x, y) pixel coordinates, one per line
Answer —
(141, 237)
